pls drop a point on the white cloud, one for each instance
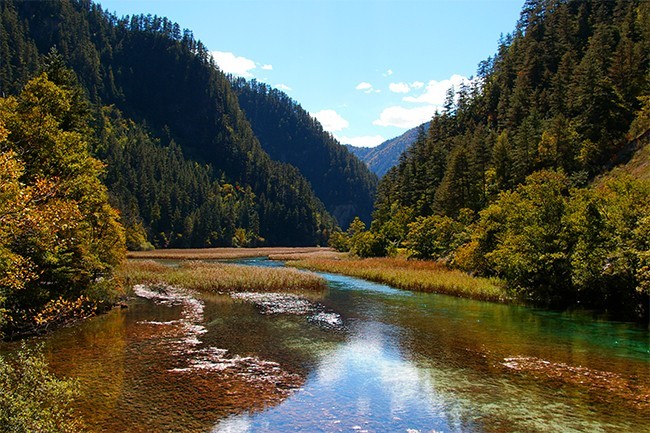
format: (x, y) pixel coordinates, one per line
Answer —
(417, 84)
(388, 73)
(331, 120)
(367, 87)
(283, 87)
(402, 117)
(267, 67)
(399, 87)
(362, 141)
(231, 64)
(436, 91)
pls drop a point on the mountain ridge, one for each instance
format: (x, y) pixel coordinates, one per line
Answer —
(382, 158)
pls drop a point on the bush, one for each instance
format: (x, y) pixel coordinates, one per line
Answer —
(434, 237)
(368, 244)
(34, 400)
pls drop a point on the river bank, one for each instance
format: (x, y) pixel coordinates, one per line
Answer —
(411, 275)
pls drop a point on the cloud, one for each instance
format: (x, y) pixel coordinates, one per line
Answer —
(402, 117)
(399, 87)
(331, 120)
(267, 67)
(231, 64)
(283, 87)
(436, 91)
(388, 73)
(417, 84)
(362, 141)
(366, 87)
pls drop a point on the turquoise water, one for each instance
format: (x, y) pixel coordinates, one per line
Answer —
(361, 357)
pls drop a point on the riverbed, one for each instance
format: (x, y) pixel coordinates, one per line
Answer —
(362, 357)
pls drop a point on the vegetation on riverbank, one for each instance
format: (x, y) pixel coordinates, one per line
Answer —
(59, 237)
(221, 253)
(34, 400)
(219, 277)
(415, 275)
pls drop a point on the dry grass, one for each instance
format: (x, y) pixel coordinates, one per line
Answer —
(220, 277)
(414, 275)
(322, 253)
(222, 253)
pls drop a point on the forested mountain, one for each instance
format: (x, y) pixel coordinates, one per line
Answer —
(166, 82)
(502, 183)
(382, 158)
(561, 92)
(289, 134)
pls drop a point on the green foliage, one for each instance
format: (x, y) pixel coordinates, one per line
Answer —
(562, 246)
(59, 237)
(434, 237)
(532, 249)
(339, 241)
(34, 400)
(358, 241)
(368, 244)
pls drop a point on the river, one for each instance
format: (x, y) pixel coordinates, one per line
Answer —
(362, 357)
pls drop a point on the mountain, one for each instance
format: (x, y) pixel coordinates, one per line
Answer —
(382, 158)
(289, 134)
(188, 111)
(561, 93)
(514, 179)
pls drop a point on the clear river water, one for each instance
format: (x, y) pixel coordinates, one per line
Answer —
(362, 357)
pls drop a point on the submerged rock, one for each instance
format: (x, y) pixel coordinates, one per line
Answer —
(287, 303)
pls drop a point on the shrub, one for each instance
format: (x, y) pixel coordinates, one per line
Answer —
(32, 399)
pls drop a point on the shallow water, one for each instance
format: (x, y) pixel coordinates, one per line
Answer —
(362, 357)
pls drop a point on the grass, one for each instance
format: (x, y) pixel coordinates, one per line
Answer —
(414, 275)
(322, 253)
(220, 277)
(222, 253)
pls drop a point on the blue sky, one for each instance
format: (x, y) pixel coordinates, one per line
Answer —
(367, 69)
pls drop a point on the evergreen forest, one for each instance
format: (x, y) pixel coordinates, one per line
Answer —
(184, 166)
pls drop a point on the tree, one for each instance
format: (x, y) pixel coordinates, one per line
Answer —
(58, 229)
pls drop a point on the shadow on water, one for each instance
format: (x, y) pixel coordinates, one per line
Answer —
(394, 361)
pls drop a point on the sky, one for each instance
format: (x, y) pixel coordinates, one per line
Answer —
(368, 70)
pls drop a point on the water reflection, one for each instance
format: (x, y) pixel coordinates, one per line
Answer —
(364, 385)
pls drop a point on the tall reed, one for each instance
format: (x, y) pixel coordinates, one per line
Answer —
(220, 277)
(414, 275)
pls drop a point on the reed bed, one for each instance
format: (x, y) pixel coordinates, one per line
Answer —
(220, 277)
(414, 275)
(221, 253)
(323, 253)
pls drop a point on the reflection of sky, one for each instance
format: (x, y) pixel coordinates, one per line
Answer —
(362, 386)
(343, 282)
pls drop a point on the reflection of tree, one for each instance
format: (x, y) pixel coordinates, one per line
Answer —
(93, 353)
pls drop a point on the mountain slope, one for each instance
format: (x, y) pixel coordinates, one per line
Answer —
(119, 62)
(382, 158)
(289, 134)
